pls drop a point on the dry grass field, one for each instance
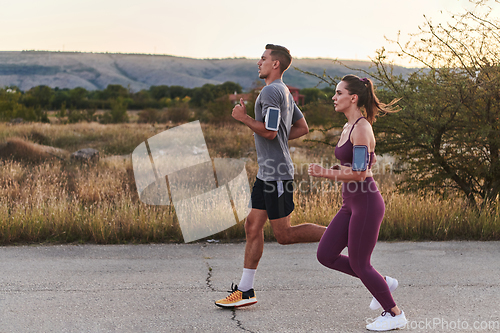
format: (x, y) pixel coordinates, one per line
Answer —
(45, 197)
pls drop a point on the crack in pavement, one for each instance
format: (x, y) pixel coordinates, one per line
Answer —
(238, 322)
(208, 280)
(209, 277)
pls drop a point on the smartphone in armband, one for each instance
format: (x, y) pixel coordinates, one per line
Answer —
(359, 158)
(273, 119)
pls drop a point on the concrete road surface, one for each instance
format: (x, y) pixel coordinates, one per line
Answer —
(443, 287)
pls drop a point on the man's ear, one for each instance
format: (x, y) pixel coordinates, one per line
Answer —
(276, 64)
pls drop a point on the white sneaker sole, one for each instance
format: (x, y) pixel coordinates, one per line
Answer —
(384, 329)
(243, 302)
(381, 325)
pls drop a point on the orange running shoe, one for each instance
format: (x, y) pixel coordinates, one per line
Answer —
(237, 298)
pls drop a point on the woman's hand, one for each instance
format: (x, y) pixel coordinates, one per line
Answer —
(315, 170)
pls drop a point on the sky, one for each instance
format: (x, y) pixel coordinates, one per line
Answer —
(352, 29)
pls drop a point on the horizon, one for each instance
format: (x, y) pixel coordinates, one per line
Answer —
(217, 30)
(186, 57)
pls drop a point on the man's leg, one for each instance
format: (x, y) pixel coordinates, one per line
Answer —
(280, 206)
(243, 294)
(254, 229)
(302, 233)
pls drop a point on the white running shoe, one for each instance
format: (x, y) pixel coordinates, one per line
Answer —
(388, 321)
(393, 284)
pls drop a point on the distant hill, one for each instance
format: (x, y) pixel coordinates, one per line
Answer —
(95, 71)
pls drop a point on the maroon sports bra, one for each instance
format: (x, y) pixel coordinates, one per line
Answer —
(344, 152)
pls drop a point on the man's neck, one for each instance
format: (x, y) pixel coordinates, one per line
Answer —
(271, 78)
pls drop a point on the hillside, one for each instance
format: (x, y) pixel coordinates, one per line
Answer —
(27, 69)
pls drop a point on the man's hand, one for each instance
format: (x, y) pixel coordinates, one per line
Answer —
(240, 111)
(258, 127)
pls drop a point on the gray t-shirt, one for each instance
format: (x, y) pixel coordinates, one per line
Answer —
(273, 156)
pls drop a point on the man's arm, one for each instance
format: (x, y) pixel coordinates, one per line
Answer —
(298, 129)
(240, 113)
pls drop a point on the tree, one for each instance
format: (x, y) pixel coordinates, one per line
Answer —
(227, 88)
(448, 130)
(311, 95)
(179, 91)
(40, 96)
(159, 92)
(61, 96)
(202, 95)
(322, 113)
(142, 100)
(451, 108)
(219, 110)
(9, 103)
(114, 91)
(78, 97)
(117, 114)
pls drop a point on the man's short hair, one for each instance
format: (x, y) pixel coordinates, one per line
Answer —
(282, 54)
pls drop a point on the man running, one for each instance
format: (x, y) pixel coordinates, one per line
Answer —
(272, 194)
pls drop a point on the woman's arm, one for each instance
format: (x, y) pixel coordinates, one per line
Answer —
(361, 135)
(345, 174)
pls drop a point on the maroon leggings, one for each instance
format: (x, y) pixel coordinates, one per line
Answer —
(356, 226)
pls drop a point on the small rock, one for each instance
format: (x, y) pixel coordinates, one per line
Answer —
(17, 121)
(86, 155)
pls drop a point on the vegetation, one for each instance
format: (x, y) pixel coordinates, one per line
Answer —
(11, 106)
(445, 137)
(451, 109)
(78, 104)
(59, 201)
(447, 130)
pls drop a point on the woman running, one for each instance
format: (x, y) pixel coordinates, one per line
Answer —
(357, 223)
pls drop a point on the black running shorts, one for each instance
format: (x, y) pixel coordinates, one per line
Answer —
(275, 197)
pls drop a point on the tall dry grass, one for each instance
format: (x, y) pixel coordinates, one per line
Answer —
(58, 201)
(53, 202)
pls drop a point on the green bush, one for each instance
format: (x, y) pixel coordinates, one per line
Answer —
(179, 113)
(117, 114)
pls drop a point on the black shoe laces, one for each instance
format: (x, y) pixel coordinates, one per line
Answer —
(234, 287)
(388, 312)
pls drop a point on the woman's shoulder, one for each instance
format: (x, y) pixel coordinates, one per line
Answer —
(364, 125)
(363, 129)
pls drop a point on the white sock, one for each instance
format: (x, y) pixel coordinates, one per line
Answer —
(246, 282)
